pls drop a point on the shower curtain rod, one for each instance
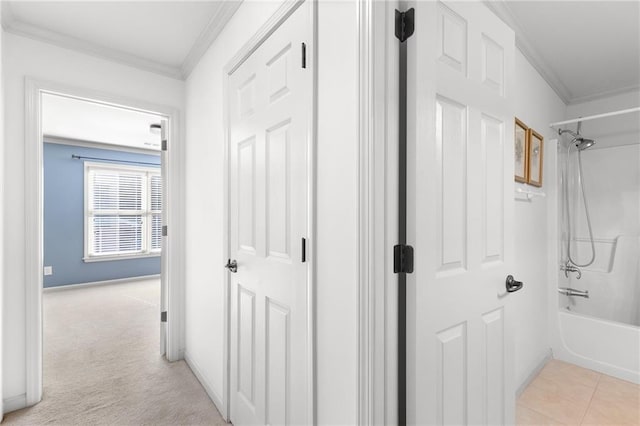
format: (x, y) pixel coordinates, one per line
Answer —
(80, 157)
(593, 117)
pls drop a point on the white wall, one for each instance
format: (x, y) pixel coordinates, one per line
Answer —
(204, 215)
(336, 196)
(2, 203)
(25, 57)
(538, 106)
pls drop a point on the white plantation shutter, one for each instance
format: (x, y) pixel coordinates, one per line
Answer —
(156, 211)
(124, 210)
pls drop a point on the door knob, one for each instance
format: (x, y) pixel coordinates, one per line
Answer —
(513, 285)
(232, 265)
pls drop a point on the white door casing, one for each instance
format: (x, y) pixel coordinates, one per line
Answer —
(164, 293)
(460, 216)
(269, 111)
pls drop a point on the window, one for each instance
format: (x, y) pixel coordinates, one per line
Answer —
(123, 211)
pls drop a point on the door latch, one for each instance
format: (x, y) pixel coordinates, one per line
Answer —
(232, 265)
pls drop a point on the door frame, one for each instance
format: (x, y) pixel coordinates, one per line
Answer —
(271, 25)
(34, 216)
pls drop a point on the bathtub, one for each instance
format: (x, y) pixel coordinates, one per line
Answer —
(608, 347)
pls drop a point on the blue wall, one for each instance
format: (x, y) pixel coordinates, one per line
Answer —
(64, 219)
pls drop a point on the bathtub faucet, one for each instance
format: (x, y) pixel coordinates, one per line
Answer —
(569, 267)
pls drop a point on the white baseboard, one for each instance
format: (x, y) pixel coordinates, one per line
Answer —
(534, 373)
(14, 403)
(217, 401)
(99, 283)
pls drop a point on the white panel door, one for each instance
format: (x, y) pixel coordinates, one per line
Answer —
(270, 97)
(460, 150)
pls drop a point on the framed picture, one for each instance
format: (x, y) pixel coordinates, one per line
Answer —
(521, 151)
(536, 146)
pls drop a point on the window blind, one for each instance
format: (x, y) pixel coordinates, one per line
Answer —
(124, 210)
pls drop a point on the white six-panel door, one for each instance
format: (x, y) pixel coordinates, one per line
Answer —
(460, 223)
(269, 101)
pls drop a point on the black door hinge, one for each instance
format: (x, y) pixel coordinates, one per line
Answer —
(163, 316)
(164, 144)
(402, 259)
(164, 230)
(405, 24)
(304, 55)
(304, 250)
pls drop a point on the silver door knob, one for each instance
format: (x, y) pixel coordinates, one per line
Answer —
(232, 265)
(513, 285)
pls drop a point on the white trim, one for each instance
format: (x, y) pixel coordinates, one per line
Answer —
(33, 32)
(111, 258)
(100, 283)
(59, 140)
(534, 373)
(196, 370)
(279, 16)
(213, 29)
(34, 221)
(366, 202)
(14, 403)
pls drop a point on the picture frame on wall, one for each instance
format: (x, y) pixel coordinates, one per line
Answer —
(535, 158)
(521, 151)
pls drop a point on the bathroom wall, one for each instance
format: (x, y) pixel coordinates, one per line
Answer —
(64, 219)
(537, 105)
(611, 178)
(23, 57)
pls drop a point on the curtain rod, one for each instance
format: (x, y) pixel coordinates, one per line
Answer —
(593, 117)
(80, 157)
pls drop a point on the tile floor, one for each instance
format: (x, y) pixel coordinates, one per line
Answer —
(565, 394)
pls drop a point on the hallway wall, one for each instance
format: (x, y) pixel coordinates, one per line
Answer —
(24, 57)
(2, 203)
(336, 284)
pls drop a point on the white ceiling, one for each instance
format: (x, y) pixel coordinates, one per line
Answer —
(584, 49)
(168, 37)
(71, 118)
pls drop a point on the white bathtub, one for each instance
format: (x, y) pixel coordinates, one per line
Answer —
(608, 347)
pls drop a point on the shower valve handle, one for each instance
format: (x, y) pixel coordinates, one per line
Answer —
(513, 285)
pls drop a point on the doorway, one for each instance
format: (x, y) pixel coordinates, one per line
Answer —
(154, 236)
(269, 119)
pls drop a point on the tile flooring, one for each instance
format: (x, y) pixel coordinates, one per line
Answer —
(565, 394)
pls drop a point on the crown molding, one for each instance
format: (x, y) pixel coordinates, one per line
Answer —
(17, 27)
(214, 27)
(501, 9)
(605, 94)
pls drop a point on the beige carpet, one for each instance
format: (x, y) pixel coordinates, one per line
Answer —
(102, 363)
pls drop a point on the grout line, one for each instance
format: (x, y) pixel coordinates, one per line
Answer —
(591, 399)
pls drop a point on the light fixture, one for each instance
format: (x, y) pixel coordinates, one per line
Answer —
(155, 129)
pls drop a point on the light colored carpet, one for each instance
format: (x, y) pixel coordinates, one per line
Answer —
(102, 363)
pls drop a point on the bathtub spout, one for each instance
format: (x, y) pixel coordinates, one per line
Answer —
(573, 292)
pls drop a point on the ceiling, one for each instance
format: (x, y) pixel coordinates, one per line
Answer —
(584, 49)
(71, 118)
(167, 37)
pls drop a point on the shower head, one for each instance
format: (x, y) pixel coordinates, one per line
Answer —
(580, 142)
(583, 143)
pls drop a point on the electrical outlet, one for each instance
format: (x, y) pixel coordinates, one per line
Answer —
(48, 270)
